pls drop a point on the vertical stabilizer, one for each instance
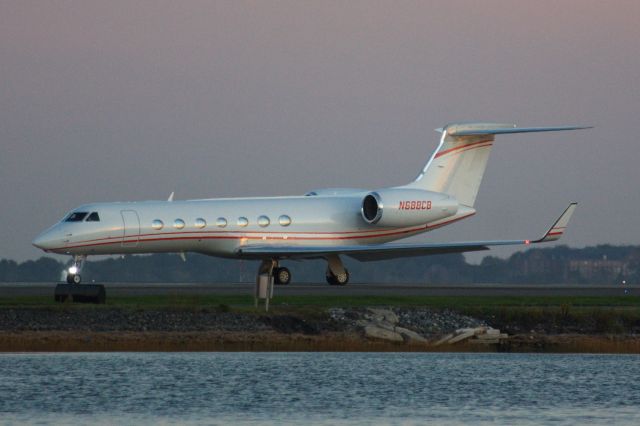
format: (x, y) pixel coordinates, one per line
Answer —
(458, 164)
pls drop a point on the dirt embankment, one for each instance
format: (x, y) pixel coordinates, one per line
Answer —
(338, 329)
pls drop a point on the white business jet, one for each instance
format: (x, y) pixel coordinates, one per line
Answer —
(322, 224)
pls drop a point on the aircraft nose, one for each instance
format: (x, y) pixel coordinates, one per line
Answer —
(45, 241)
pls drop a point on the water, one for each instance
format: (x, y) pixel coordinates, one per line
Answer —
(318, 388)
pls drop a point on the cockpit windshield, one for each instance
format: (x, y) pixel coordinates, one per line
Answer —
(93, 217)
(76, 217)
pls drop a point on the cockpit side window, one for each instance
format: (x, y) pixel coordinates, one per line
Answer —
(76, 217)
(93, 217)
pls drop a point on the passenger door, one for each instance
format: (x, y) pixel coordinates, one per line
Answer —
(131, 228)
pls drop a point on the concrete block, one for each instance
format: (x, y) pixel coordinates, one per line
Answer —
(410, 336)
(374, 332)
(444, 340)
(466, 333)
(491, 341)
(383, 315)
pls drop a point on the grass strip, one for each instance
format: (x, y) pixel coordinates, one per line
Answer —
(441, 302)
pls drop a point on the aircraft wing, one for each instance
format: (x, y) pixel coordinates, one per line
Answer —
(372, 252)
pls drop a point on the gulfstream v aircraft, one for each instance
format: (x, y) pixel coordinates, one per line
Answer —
(322, 224)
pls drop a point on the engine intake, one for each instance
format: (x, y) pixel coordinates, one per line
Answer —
(372, 208)
(406, 207)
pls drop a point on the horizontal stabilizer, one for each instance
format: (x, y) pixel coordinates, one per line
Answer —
(499, 129)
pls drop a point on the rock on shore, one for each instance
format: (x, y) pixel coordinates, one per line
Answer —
(408, 325)
(107, 328)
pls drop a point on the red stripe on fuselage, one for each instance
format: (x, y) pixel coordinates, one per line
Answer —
(119, 240)
(241, 237)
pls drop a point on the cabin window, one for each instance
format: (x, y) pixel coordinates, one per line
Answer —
(221, 222)
(243, 221)
(93, 217)
(76, 217)
(157, 224)
(178, 223)
(284, 220)
(200, 223)
(263, 221)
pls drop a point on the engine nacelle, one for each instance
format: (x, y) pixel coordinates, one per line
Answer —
(406, 207)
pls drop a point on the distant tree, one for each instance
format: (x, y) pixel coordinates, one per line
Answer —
(535, 265)
(8, 270)
(43, 269)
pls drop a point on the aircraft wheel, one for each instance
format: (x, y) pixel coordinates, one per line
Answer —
(74, 278)
(282, 276)
(340, 279)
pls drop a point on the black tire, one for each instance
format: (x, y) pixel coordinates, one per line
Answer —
(69, 279)
(345, 279)
(281, 276)
(330, 279)
(77, 279)
(333, 280)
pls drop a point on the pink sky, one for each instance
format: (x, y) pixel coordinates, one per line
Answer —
(117, 101)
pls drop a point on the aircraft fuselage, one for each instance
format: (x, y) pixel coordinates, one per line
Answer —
(219, 227)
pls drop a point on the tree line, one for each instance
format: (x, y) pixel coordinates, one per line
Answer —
(603, 264)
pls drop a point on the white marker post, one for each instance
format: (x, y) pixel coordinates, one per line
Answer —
(264, 283)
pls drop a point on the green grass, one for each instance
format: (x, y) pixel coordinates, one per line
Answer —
(26, 301)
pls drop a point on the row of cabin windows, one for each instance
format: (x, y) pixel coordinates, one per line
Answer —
(80, 216)
(221, 222)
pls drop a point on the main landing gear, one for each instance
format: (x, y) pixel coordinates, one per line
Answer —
(73, 273)
(281, 276)
(340, 279)
(270, 271)
(336, 273)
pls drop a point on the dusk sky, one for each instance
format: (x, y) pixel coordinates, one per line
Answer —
(131, 100)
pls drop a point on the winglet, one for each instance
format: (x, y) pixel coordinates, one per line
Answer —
(555, 232)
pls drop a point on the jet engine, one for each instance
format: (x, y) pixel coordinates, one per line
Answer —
(406, 207)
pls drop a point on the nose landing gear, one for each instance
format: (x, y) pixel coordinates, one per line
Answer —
(72, 292)
(73, 273)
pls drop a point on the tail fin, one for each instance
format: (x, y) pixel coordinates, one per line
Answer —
(458, 164)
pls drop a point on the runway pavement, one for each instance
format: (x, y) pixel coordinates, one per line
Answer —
(353, 289)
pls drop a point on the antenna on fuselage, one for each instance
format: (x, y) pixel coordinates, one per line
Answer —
(171, 196)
